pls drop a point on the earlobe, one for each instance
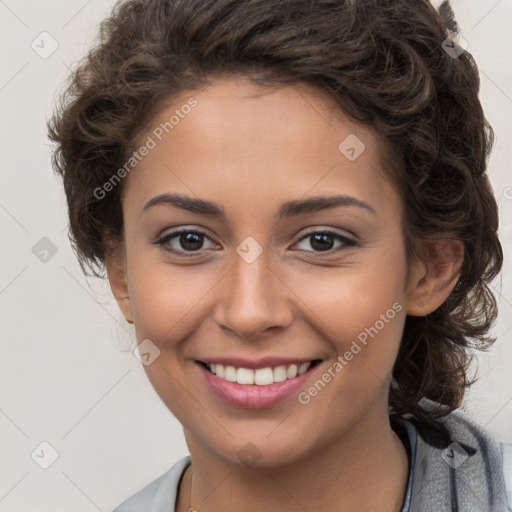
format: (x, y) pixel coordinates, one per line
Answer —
(115, 264)
(433, 279)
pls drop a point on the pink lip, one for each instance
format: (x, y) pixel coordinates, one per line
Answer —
(253, 397)
(254, 364)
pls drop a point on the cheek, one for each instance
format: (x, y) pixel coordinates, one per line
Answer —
(360, 309)
(364, 315)
(357, 294)
(165, 297)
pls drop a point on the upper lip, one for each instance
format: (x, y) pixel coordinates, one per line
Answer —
(262, 362)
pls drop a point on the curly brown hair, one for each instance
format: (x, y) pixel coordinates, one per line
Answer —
(382, 62)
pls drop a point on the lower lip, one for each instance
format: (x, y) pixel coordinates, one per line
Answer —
(248, 396)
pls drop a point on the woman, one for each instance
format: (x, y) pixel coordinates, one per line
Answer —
(291, 204)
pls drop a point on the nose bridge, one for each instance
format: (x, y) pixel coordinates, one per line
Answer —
(251, 280)
(252, 300)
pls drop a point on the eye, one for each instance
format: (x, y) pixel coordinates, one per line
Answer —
(192, 241)
(184, 240)
(324, 241)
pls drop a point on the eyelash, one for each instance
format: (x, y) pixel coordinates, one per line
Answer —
(347, 242)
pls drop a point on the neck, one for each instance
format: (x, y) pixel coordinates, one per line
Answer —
(365, 469)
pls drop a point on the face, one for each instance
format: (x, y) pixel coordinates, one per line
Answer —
(269, 275)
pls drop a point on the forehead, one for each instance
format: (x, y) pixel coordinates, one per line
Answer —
(242, 142)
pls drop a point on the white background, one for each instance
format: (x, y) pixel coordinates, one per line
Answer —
(67, 376)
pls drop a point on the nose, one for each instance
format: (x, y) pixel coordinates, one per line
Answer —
(253, 300)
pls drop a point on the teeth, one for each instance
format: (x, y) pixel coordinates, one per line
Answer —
(292, 371)
(263, 376)
(259, 377)
(230, 374)
(303, 368)
(244, 376)
(279, 373)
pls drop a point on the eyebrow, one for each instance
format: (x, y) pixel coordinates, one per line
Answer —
(288, 209)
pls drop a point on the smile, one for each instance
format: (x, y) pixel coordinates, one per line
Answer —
(260, 377)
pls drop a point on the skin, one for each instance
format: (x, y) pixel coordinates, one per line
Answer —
(250, 149)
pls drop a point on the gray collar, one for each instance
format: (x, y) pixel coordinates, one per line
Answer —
(456, 466)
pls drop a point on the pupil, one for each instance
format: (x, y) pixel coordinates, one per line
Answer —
(325, 242)
(191, 241)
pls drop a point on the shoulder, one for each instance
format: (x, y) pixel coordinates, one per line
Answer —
(160, 494)
(495, 456)
(506, 451)
(458, 463)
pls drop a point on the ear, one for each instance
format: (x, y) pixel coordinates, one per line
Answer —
(115, 264)
(432, 279)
